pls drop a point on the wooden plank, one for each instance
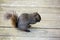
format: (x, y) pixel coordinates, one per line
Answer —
(33, 38)
(32, 3)
(46, 13)
(42, 33)
(42, 10)
(27, 38)
(49, 20)
(47, 17)
(42, 24)
(35, 34)
(5, 38)
(47, 24)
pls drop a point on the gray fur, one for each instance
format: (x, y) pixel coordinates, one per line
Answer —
(25, 20)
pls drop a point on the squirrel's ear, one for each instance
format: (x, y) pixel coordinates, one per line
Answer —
(35, 13)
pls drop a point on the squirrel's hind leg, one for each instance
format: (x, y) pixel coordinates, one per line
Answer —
(27, 30)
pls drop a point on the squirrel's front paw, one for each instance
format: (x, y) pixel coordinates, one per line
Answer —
(29, 26)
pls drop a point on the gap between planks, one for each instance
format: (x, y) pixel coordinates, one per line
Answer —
(31, 27)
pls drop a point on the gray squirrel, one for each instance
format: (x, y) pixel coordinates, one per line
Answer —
(24, 20)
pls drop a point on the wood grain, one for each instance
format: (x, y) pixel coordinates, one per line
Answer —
(32, 3)
(47, 29)
(44, 33)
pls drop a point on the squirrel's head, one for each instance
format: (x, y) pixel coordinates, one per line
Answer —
(37, 17)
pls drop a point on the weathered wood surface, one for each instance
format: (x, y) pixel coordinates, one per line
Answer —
(37, 34)
(47, 29)
(32, 3)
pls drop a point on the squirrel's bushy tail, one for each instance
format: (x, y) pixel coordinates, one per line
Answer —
(13, 17)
